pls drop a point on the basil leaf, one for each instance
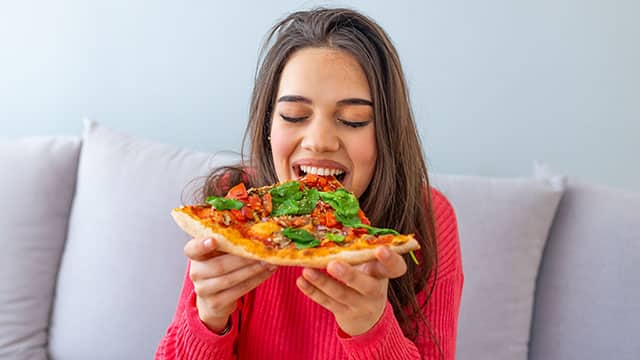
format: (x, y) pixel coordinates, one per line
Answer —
(311, 244)
(335, 237)
(220, 203)
(298, 235)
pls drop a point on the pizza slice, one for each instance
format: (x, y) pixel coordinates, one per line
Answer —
(305, 222)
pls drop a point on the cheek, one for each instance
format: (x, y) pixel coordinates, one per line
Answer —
(282, 146)
(363, 153)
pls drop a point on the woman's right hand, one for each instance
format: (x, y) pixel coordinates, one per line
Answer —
(220, 279)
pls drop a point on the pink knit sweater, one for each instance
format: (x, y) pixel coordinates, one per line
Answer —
(277, 321)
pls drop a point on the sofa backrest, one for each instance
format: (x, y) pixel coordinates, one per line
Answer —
(588, 290)
(503, 225)
(37, 181)
(123, 264)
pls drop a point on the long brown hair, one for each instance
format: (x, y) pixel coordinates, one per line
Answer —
(401, 172)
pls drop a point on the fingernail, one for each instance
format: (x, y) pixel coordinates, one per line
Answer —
(385, 253)
(338, 269)
(311, 274)
(207, 243)
(302, 283)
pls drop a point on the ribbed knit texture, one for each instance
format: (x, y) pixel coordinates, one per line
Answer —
(277, 321)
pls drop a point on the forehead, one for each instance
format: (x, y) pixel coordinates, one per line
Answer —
(323, 74)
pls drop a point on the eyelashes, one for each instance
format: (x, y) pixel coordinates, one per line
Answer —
(292, 119)
(353, 124)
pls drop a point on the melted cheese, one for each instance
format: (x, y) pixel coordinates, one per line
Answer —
(263, 230)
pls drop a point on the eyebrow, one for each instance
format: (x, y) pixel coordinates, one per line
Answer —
(302, 99)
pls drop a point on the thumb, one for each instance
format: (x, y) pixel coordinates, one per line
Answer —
(200, 249)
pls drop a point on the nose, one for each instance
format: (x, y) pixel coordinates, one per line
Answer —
(321, 135)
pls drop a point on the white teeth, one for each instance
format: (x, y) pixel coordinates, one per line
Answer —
(320, 171)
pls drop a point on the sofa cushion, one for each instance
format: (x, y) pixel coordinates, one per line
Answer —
(123, 266)
(588, 298)
(36, 188)
(503, 226)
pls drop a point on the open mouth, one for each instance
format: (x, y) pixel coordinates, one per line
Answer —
(302, 170)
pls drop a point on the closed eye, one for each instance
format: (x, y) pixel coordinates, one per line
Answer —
(293, 119)
(355, 124)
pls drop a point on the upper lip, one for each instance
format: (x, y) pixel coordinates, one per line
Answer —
(320, 163)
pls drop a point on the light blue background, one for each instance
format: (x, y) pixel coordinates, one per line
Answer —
(494, 84)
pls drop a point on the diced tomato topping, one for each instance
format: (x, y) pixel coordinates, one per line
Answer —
(247, 212)
(331, 220)
(238, 192)
(329, 244)
(385, 239)
(317, 212)
(254, 202)
(237, 215)
(322, 220)
(322, 182)
(310, 180)
(360, 231)
(267, 204)
(363, 217)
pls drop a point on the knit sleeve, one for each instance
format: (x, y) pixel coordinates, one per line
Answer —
(386, 340)
(188, 338)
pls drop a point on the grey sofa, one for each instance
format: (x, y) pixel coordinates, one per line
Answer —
(91, 263)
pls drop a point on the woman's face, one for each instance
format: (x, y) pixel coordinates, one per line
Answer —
(322, 121)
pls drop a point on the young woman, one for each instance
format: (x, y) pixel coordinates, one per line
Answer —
(329, 98)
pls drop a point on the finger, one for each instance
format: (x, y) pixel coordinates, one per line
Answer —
(336, 290)
(218, 266)
(355, 278)
(234, 293)
(319, 297)
(200, 249)
(212, 286)
(374, 269)
(392, 263)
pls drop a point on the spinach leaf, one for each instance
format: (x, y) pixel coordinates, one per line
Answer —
(287, 199)
(311, 244)
(345, 205)
(346, 209)
(287, 207)
(298, 235)
(288, 190)
(335, 237)
(302, 238)
(220, 203)
(376, 231)
(308, 202)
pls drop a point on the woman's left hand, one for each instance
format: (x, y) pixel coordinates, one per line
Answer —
(356, 295)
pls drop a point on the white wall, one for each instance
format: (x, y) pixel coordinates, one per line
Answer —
(495, 84)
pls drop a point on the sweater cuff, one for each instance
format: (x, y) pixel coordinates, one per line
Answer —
(384, 340)
(202, 342)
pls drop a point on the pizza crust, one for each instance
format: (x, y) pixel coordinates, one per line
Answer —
(197, 230)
